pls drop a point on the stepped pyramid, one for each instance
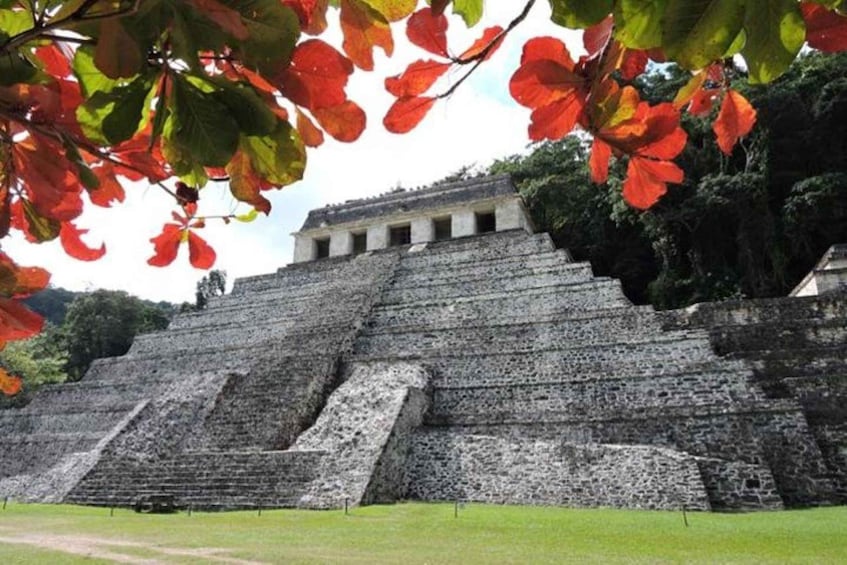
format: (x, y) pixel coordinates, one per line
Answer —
(428, 345)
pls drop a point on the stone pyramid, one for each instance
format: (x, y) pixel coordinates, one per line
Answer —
(481, 367)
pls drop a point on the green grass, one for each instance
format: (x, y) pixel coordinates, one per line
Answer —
(428, 533)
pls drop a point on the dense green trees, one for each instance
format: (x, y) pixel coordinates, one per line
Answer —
(751, 224)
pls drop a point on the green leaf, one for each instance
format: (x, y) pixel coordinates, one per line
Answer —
(125, 118)
(15, 69)
(280, 157)
(14, 23)
(43, 229)
(697, 32)
(579, 14)
(202, 127)
(638, 23)
(248, 217)
(775, 33)
(90, 78)
(470, 10)
(251, 112)
(274, 30)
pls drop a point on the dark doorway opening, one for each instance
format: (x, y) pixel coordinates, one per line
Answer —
(322, 248)
(485, 222)
(443, 228)
(400, 235)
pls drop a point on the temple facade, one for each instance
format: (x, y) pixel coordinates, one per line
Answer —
(402, 217)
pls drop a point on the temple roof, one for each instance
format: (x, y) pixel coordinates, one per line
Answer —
(403, 201)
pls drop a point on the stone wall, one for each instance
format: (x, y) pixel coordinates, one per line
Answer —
(467, 467)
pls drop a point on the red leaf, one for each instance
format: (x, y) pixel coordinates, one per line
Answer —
(54, 59)
(416, 79)
(166, 245)
(547, 49)
(825, 29)
(557, 119)
(70, 236)
(702, 102)
(344, 122)
(20, 282)
(646, 181)
(428, 31)
(317, 75)
(595, 38)
(364, 29)
(309, 133)
(17, 321)
(200, 254)
(634, 63)
(9, 385)
(406, 113)
(537, 83)
(735, 120)
(48, 182)
(598, 163)
(225, 17)
(109, 190)
(490, 34)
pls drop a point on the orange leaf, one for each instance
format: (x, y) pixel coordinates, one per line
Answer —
(364, 28)
(428, 31)
(598, 163)
(488, 36)
(344, 122)
(109, 190)
(166, 245)
(685, 94)
(702, 102)
(557, 119)
(48, 182)
(245, 183)
(317, 75)
(825, 29)
(406, 113)
(309, 133)
(416, 79)
(200, 254)
(9, 385)
(735, 120)
(17, 321)
(70, 236)
(225, 17)
(646, 181)
(20, 282)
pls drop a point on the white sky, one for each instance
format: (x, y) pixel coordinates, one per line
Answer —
(478, 124)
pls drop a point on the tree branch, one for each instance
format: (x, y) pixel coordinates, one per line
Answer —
(477, 59)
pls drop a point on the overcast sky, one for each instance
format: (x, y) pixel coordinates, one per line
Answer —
(478, 124)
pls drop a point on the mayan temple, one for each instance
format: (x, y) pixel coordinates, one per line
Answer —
(429, 345)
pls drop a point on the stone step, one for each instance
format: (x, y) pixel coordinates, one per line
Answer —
(786, 335)
(595, 294)
(455, 252)
(283, 336)
(553, 262)
(516, 338)
(581, 396)
(665, 355)
(441, 320)
(84, 419)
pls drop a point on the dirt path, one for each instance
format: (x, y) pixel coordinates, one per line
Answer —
(104, 548)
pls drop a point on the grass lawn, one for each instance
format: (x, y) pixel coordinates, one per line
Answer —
(420, 533)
